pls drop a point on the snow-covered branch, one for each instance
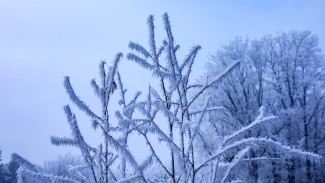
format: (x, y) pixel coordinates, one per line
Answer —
(234, 162)
(81, 105)
(23, 173)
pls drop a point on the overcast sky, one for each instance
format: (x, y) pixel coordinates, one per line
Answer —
(41, 41)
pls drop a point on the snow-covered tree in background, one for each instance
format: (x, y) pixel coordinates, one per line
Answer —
(2, 172)
(176, 99)
(284, 73)
(8, 171)
(59, 166)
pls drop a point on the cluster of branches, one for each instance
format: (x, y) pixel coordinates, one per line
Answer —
(175, 101)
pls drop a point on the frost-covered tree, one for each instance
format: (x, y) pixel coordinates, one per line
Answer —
(241, 94)
(59, 166)
(8, 171)
(171, 104)
(296, 75)
(285, 74)
(2, 171)
(12, 171)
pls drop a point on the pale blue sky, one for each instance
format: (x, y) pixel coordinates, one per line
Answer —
(42, 41)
